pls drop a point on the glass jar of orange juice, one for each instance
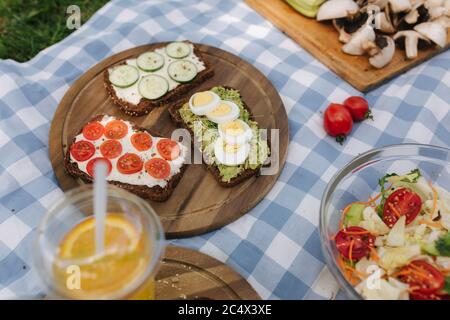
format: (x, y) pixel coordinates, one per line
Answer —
(68, 257)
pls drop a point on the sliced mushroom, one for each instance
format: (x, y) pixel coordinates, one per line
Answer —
(400, 5)
(418, 14)
(344, 37)
(355, 45)
(335, 9)
(410, 42)
(444, 21)
(382, 4)
(437, 12)
(380, 20)
(381, 51)
(434, 31)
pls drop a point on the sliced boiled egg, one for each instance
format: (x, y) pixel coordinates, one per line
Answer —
(230, 154)
(235, 132)
(224, 112)
(203, 102)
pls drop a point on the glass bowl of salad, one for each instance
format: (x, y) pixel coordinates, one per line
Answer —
(385, 221)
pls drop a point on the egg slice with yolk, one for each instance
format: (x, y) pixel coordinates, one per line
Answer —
(203, 102)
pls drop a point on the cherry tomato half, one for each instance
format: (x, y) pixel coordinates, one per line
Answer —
(91, 165)
(93, 130)
(337, 121)
(168, 149)
(82, 150)
(157, 168)
(401, 202)
(116, 129)
(111, 149)
(354, 242)
(358, 107)
(129, 163)
(422, 277)
(142, 141)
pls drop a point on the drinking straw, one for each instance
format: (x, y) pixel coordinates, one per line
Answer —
(100, 205)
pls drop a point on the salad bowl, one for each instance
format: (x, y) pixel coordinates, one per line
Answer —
(360, 180)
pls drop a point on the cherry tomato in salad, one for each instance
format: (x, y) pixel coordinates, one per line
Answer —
(337, 121)
(157, 168)
(415, 295)
(142, 141)
(354, 242)
(116, 129)
(129, 163)
(358, 107)
(91, 165)
(422, 277)
(168, 149)
(82, 150)
(402, 202)
(93, 130)
(111, 149)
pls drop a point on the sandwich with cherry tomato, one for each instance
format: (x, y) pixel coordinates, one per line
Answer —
(137, 161)
(396, 245)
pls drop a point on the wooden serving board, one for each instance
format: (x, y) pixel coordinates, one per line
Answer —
(321, 40)
(198, 204)
(189, 274)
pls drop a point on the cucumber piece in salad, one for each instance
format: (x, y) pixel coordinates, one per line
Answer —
(153, 87)
(150, 61)
(182, 71)
(178, 50)
(123, 76)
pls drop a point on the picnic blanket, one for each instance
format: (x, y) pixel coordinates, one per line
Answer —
(276, 245)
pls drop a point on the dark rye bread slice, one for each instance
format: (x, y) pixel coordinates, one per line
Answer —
(155, 193)
(145, 105)
(244, 175)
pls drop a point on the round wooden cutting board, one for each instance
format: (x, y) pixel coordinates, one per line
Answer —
(198, 204)
(189, 274)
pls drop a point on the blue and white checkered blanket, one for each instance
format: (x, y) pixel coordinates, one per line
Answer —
(275, 246)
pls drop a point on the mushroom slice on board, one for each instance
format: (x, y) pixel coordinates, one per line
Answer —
(411, 41)
(344, 37)
(444, 21)
(386, 50)
(400, 5)
(355, 45)
(335, 9)
(434, 31)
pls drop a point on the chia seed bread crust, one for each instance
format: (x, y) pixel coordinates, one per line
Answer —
(145, 106)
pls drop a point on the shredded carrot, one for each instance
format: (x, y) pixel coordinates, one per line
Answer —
(434, 224)
(445, 271)
(374, 255)
(392, 207)
(350, 250)
(435, 198)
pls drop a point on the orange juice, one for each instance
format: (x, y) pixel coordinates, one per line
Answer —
(123, 261)
(122, 266)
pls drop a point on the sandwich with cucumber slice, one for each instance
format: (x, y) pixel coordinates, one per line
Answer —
(156, 77)
(231, 141)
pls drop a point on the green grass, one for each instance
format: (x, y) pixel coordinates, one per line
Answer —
(29, 26)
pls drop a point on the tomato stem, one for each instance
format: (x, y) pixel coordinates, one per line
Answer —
(341, 138)
(368, 115)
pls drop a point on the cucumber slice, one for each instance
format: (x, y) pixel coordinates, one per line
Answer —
(124, 76)
(153, 87)
(178, 50)
(150, 61)
(182, 71)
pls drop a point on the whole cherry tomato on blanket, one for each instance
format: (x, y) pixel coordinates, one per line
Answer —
(337, 121)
